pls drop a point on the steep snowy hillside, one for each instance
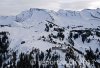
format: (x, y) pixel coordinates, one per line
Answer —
(40, 38)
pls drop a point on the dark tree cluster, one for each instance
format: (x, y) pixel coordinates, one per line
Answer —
(69, 54)
(35, 59)
(59, 29)
(88, 40)
(4, 44)
(98, 34)
(84, 37)
(93, 56)
(5, 25)
(83, 33)
(50, 25)
(70, 35)
(61, 36)
(47, 28)
(76, 36)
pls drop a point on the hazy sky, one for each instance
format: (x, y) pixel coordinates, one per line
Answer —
(13, 7)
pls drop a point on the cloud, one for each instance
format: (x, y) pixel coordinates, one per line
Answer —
(75, 5)
(95, 4)
(79, 5)
(13, 7)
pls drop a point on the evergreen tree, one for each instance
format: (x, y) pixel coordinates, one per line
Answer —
(47, 28)
(41, 66)
(55, 65)
(37, 64)
(97, 50)
(14, 59)
(1, 61)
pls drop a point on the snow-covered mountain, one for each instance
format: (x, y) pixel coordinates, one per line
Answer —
(64, 32)
(86, 17)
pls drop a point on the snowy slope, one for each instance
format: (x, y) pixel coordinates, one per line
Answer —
(29, 27)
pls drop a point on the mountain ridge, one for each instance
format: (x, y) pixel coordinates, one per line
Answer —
(33, 14)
